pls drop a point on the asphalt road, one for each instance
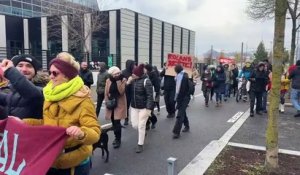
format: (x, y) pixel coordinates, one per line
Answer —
(206, 124)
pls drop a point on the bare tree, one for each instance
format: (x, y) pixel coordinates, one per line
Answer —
(271, 161)
(264, 9)
(81, 22)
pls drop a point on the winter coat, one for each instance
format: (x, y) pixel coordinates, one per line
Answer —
(126, 73)
(101, 82)
(235, 74)
(246, 72)
(259, 81)
(4, 89)
(155, 81)
(219, 80)
(87, 77)
(76, 110)
(228, 74)
(295, 77)
(120, 112)
(169, 82)
(25, 100)
(142, 93)
(206, 79)
(184, 91)
(285, 83)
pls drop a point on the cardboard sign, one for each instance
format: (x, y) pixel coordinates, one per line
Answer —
(226, 60)
(28, 150)
(185, 60)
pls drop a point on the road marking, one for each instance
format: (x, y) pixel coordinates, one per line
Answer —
(235, 117)
(263, 148)
(205, 158)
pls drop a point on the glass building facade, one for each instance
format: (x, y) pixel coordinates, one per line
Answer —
(38, 8)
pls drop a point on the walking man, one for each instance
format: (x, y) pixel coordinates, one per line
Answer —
(295, 92)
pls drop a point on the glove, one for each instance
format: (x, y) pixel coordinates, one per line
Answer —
(148, 112)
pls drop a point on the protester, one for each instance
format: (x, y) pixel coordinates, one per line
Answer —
(156, 87)
(115, 90)
(3, 89)
(86, 75)
(295, 91)
(157, 95)
(259, 80)
(206, 79)
(195, 76)
(235, 74)
(68, 104)
(169, 92)
(141, 102)
(25, 99)
(213, 72)
(219, 80)
(101, 81)
(268, 87)
(127, 72)
(285, 85)
(228, 81)
(182, 98)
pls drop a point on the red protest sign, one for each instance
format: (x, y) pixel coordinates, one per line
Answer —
(185, 60)
(226, 60)
(28, 150)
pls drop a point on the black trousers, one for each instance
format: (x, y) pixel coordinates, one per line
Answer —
(258, 97)
(206, 94)
(181, 115)
(116, 126)
(128, 99)
(100, 98)
(169, 96)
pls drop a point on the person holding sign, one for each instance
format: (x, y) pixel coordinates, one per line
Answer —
(68, 104)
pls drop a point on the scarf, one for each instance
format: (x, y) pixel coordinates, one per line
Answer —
(178, 80)
(63, 90)
(113, 89)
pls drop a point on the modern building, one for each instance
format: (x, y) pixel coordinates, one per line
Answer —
(38, 8)
(121, 35)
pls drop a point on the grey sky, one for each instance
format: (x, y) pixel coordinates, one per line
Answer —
(221, 23)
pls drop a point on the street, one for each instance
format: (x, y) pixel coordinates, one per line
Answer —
(206, 124)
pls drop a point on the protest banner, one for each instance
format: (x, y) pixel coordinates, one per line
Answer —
(185, 60)
(28, 150)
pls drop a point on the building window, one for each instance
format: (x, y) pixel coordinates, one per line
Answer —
(36, 8)
(16, 4)
(36, 2)
(27, 6)
(28, 1)
(5, 2)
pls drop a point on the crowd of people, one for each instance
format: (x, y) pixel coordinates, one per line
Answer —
(62, 97)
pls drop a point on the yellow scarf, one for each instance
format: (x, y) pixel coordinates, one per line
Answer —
(63, 90)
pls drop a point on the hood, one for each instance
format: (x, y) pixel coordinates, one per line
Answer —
(103, 67)
(221, 71)
(83, 92)
(41, 79)
(129, 65)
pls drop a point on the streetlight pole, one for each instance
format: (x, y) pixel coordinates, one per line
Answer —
(242, 55)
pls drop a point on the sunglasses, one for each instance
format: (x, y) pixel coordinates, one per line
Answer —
(54, 73)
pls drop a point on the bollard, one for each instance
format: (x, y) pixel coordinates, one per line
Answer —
(171, 166)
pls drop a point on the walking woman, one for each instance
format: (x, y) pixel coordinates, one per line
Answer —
(141, 102)
(206, 79)
(285, 85)
(68, 104)
(115, 90)
(219, 84)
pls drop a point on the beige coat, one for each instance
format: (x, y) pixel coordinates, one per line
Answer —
(120, 112)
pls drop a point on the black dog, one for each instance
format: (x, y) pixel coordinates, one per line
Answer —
(102, 143)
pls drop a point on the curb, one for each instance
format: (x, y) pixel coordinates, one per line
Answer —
(263, 148)
(205, 158)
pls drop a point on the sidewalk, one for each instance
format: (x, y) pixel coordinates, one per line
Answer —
(253, 131)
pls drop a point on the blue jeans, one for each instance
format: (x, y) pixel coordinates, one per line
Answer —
(218, 97)
(264, 100)
(227, 90)
(295, 97)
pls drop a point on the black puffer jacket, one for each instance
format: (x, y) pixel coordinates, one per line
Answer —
(295, 76)
(142, 93)
(26, 99)
(169, 82)
(155, 81)
(259, 81)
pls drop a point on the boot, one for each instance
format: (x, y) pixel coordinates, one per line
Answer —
(186, 129)
(117, 144)
(126, 121)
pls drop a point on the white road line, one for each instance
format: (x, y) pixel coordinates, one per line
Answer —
(235, 117)
(262, 148)
(204, 159)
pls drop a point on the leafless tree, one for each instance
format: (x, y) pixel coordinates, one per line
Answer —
(264, 9)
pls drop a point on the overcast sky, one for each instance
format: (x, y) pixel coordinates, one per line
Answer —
(221, 23)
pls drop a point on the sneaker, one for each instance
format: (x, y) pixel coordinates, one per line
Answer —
(206, 104)
(297, 115)
(186, 129)
(251, 114)
(139, 149)
(153, 126)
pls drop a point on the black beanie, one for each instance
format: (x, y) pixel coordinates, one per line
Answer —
(27, 58)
